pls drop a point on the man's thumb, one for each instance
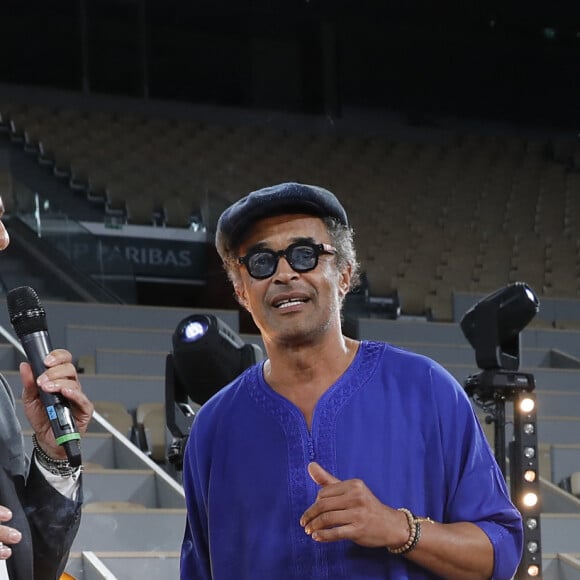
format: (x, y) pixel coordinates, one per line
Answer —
(320, 475)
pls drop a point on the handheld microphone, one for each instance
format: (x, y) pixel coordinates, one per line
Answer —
(28, 319)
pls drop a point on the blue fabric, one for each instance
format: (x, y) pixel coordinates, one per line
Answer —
(395, 419)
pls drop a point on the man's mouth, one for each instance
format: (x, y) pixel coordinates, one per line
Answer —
(289, 302)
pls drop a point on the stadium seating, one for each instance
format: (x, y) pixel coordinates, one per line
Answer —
(468, 210)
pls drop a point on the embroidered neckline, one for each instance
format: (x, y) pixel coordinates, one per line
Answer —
(357, 373)
(303, 445)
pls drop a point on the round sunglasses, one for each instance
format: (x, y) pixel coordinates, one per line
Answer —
(261, 263)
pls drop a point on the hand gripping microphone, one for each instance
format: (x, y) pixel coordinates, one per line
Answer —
(29, 322)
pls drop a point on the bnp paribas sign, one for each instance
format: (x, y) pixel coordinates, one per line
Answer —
(141, 251)
(155, 257)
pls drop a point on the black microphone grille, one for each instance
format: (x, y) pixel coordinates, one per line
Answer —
(26, 313)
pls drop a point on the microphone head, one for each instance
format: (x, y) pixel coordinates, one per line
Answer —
(26, 313)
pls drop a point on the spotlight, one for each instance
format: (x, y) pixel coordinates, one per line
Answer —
(530, 475)
(533, 571)
(530, 499)
(493, 328)
(207, 355)
(524, 479)
(494, 324)
(527, 405)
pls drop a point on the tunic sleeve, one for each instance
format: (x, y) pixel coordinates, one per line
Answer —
(477, 488)
(195, 560)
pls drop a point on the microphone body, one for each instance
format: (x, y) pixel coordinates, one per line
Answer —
(29, 321)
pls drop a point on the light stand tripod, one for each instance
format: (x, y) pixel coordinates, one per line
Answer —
(490, 390)
(493, 328)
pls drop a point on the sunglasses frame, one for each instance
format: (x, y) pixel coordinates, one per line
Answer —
(318, 250)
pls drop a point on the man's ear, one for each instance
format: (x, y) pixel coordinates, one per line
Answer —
(344, 280)
(241, 296)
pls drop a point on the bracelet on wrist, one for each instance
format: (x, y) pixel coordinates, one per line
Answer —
(414, 524)
(60, 467)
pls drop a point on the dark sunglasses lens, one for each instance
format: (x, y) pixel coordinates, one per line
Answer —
(262, 264)
(303, 258)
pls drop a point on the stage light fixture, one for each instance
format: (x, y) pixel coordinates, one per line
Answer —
(524, 479)
(207, 355)
(494, 324)
(493, 327)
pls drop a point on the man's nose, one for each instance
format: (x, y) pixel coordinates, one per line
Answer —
(284, 270)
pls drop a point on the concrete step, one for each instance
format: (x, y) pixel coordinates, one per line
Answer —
(139, 529)
(60, 314)
(85, 340)
(560, 532)
(561, 566)
(123, 565)
(139, 486)
(131, 390)
(463, 353)
(130, 361)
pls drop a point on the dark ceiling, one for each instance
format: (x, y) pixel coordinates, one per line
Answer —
(496, 59)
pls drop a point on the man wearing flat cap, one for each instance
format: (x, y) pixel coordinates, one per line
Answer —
(333, 458)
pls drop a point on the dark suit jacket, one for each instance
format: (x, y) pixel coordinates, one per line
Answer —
(47, 520)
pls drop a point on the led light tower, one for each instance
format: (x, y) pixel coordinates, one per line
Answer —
(493, 328)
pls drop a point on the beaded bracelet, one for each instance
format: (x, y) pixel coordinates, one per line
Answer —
(414, 533)
(60, 467)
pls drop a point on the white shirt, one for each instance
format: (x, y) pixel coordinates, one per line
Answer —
(67, 486)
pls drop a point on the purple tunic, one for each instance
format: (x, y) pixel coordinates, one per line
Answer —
(395, 419)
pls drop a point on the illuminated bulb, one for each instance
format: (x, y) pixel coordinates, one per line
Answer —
(529, 452)
(527, 405)
(530, 475)
(531, 296)
(532, 547)
(533, 570)
(531, 523)
(193, 331)
(530, 499)
(529, 428)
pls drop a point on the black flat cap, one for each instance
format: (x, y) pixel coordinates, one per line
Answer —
(236, 220)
